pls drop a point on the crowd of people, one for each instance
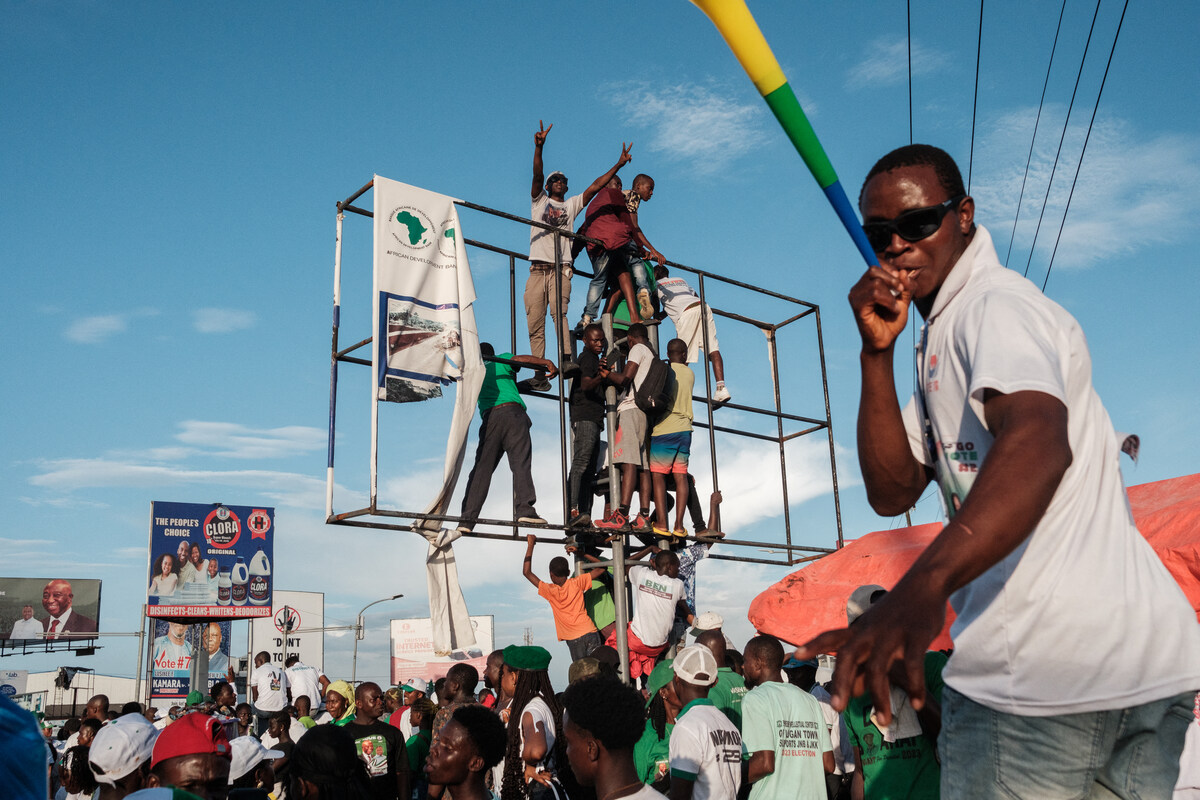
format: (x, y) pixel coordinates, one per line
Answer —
(653, 434)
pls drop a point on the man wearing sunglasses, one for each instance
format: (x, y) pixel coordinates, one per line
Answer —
(551, 206)
(1076, 654)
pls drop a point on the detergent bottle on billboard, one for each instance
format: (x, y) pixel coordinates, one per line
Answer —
(239, 578)
(224, 588)
(260, 571)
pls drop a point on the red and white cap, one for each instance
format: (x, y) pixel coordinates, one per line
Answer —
(191, 734)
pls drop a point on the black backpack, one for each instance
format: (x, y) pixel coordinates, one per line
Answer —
(657, 392)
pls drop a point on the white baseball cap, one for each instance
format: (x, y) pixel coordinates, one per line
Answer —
(416, 685)
(861, 599)
(247, 752)
(696, 665)
(120, 747)
(707, 621)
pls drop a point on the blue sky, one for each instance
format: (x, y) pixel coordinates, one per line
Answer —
(170, 174)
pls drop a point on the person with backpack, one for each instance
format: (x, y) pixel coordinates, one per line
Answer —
(630, 449)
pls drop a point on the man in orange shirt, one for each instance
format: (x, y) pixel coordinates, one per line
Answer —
(565, 596)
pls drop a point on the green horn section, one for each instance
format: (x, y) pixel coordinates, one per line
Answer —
(786, 107)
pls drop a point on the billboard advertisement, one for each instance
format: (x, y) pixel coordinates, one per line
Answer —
(61, 608)
(13, 681)
(210, 561)
(305, 611)
(412, 649)
(174, 646)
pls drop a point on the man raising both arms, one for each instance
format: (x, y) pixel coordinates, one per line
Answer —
(1076, 654)
(551, 206)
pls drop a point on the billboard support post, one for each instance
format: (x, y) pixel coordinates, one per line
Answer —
(137, 693)
(287, 631)
(199, 676)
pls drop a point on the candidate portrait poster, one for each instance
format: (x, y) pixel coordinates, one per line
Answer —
(210, 561)
(36, 609)
(174, 646)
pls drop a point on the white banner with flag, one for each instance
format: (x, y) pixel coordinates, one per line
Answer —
(426, 338)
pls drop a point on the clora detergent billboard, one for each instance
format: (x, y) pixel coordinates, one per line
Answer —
(210, 561)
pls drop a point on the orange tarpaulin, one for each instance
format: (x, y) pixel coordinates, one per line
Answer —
(813, 600)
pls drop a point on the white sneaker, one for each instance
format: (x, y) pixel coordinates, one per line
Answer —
(721, 395)
(644, 308)
(533, 519)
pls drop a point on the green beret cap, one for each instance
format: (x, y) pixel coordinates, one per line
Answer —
(529, 657)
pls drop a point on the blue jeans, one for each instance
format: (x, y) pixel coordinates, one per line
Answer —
(609, 262)
(1123, 753)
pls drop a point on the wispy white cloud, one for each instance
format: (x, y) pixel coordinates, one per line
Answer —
(1133, 191)
(699, 124)
(222, 320)
(231, 440)
(63, 501)
(93, 330)
(886, 63)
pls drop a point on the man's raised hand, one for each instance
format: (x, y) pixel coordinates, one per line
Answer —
(625, 157)
(880, 301)
(539, 138)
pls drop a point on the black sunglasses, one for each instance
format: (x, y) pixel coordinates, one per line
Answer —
(913, 225)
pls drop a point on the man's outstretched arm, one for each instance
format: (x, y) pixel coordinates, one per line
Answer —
(539, 139)
(527, 564)
(603, 180)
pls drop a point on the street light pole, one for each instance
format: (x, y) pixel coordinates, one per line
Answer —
(359, 633)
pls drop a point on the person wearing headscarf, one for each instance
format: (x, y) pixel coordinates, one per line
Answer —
(339, 703)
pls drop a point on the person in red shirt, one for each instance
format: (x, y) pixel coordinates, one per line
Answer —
(565, 596)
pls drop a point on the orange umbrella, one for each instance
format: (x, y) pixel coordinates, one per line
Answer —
(813, 600)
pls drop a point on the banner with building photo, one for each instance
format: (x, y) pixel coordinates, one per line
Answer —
(61, 606)
(174, 646)
(305, 611)
(210, 561)
(413, 651)
(423, 317)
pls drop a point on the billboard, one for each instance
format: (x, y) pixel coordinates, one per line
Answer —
(174, 646)
(306, 610)
(13, 682)
(62, 608)
(412, 649)
(210, 561)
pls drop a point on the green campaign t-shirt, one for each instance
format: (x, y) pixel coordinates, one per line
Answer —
(651, 755)
(727, 693)
(906, 768)
(787, 721)
(499, 386)
(599, 604)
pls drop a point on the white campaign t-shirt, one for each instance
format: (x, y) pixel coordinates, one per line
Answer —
(305, 680)
(675, 296)
(641, 355)
(559, 214)
(654, 599)
(705, 747)
(272, 688)
(1082, 616)
(540, 712)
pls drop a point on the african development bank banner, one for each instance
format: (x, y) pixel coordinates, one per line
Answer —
(424, 327)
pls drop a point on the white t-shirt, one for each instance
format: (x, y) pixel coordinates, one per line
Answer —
(305, 680)
(654, 599)
(706, 748)
(647, 792)
(640, 355)
(1082, 616)
(788, 722)
(559, 214)
(27, 629)
(272, 688)
(675, 296)
(540, 712)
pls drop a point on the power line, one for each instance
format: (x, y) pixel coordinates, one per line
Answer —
(975, 103)
(1085, 143)
(1037, 122)
(1066, 122)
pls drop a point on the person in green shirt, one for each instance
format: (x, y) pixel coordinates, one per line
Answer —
(504, 432)
(727, 693)
(651, 754)
(421, 715)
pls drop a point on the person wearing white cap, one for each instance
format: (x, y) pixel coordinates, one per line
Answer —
(120, 756)
(252, 765)
(705, 747)
(709, 621)
(413, 690)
